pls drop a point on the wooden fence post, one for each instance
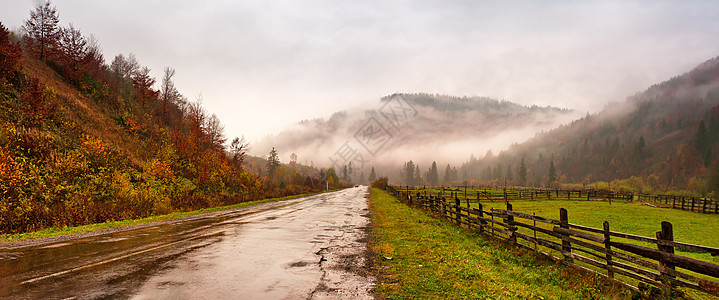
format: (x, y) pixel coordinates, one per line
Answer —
(693, 200)
(704, 206)
(534, 229)
(458, 212)
(481, 215)
(491, 227)
(444, 208)
(682, 202)
(608, 247)
(667, 234)
(566, 245)
(510, 221)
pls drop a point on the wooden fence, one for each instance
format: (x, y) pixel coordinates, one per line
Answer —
(615, 255)
(695, 204)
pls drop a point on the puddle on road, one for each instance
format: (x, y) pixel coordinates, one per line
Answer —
(58, 245)
(299, 264)
(111, 240)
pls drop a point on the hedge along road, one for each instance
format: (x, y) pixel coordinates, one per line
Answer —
(305, 248)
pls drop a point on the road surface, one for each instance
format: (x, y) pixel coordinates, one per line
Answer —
(306, 248)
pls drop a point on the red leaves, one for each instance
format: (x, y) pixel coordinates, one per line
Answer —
(10, 58)
(37, 105)
(143, 83)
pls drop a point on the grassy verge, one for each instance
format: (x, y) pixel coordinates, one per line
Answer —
(431, 259)
(50, 232)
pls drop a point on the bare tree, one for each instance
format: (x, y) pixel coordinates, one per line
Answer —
(168, 92)
(197, 114)
(72, 44)
(238, 149)
(125, 67)
(94, 60)
(215, 133)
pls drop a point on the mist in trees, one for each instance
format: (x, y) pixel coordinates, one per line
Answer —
(432, 176)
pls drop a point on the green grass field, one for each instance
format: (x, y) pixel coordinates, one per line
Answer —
(432, 259)
(631, 217)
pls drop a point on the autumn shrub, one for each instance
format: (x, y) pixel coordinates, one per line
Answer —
(380, 183)
(10, 59)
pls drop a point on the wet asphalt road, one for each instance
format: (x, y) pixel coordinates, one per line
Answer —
(305, 248)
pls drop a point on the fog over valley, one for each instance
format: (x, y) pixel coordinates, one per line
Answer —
(440, 128)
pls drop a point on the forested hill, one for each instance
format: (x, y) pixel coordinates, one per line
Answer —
(477, 104)
(439, 127)
(85, 141)
(666, 136)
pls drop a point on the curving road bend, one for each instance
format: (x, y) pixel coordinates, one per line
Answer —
(306, 248)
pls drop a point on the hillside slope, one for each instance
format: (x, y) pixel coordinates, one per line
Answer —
(83, 142)
(668, 135)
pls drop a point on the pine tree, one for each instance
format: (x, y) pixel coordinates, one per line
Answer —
(708, 157)
(552, 172)
(350, 172)
(273, 161)
(417, 177)
(447, 174)
(433, 175)
(522, 173)
(42, 28)
(408, 173)
(701, 140)
(345, 173)
(372, 175)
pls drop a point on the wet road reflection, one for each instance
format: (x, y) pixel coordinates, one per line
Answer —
(286, 249)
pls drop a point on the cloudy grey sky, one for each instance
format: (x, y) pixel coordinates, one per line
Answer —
(263, 65)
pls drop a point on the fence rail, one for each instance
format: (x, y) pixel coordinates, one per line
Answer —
(481, 194)
(618, 256)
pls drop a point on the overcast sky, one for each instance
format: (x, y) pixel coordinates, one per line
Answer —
(264, 65)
